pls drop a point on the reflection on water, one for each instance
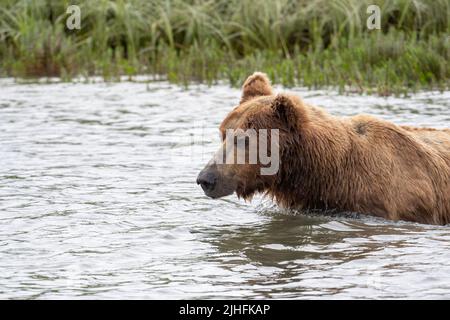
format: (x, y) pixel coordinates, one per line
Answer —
(300, 256)
(98, 200)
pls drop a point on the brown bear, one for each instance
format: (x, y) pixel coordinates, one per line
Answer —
(357, 164)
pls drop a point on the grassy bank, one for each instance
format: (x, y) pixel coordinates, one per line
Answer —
(313, 43)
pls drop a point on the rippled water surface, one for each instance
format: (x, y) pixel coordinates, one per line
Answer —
(98, 200)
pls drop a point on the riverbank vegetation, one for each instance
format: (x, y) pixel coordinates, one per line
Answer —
(313, 43)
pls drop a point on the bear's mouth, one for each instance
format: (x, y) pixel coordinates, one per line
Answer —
(218, 193)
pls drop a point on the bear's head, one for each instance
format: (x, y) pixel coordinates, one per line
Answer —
(259, 137)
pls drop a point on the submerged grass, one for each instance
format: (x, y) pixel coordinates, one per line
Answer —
(314, 43)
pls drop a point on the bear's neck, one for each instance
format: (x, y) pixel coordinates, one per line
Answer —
(313, 161)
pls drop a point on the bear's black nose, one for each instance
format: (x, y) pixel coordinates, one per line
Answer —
(207, 180)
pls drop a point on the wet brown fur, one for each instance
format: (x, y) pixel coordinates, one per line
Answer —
(361, 164)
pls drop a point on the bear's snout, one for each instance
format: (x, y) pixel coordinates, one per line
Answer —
(215, 183)
(207, 180)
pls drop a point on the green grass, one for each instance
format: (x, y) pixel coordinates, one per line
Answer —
(314, 43)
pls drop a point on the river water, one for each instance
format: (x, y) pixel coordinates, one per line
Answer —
(98, 200)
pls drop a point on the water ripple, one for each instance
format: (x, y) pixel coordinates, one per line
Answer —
(98, 200)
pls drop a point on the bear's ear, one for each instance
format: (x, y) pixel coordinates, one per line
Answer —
(258, 84)
(289, 110)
